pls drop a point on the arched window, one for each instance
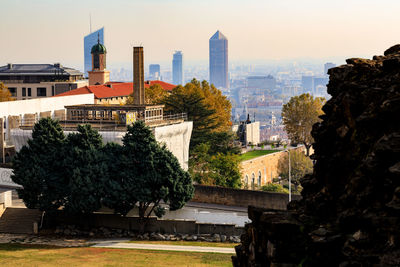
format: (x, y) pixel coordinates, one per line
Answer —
(253, 178)
(259, 178)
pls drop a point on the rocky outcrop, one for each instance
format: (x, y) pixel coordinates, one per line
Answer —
(350, 211)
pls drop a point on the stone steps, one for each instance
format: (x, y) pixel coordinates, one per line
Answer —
(19, 220)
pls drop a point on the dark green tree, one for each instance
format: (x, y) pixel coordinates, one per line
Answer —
(150, 174)
(86, 172)
(38, 167)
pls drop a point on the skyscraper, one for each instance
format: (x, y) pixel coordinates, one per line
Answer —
(154, 72)
(177, 68)
(88, 42)
(328, 66)
(219, 60)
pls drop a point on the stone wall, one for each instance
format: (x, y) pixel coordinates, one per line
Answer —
(264, 167)
(241, 197)
(350, 211)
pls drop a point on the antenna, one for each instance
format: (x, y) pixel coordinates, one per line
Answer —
(90, 22)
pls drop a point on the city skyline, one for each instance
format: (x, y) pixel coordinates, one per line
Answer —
(278, 30)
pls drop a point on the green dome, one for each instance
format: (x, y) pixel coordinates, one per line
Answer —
(99, 49)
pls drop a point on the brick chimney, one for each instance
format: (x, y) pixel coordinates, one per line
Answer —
(138, 76)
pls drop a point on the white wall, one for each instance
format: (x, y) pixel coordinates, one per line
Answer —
(177, 139)
(20, 107)
(253, 133)
(175, 136)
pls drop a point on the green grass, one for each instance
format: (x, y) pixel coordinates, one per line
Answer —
(187, 243)
(36, 255)
(255, 153)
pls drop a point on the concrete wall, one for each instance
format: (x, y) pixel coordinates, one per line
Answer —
(132, 223)
(241, 197)
(177, 139)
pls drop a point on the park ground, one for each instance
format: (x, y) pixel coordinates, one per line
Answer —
(41, 255)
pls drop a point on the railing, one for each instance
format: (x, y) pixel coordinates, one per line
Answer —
(106, 123)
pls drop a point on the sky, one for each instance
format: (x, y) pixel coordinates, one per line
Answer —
(48, 31)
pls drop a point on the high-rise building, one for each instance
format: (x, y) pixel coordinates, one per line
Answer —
(328, 66)
(88, 42)
(177, 68)
(154, 72)
(219, 60)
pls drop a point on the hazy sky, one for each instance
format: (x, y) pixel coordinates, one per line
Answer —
(48, 31)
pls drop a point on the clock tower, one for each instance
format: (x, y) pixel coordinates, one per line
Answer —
(99, 74)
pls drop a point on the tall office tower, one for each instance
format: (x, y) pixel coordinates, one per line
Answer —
(219, 60)
(177, 68)
(154, 71)
(328, 66)
(138, 76)
(88, 42)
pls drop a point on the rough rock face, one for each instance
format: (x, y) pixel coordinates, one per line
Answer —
(350, 211)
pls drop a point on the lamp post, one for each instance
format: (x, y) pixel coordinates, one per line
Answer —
(290, 179)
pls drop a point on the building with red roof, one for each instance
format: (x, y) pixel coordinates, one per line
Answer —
(114, 92)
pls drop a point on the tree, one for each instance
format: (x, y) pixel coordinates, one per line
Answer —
(5, 94)
(300, 165)
(86, 172)
(149, 174)
(153, 95)
(38, 167)
(205, 105)
(299, 115)
(214, 169)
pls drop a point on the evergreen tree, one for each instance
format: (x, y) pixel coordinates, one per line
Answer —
(38, 167)
(86, 172)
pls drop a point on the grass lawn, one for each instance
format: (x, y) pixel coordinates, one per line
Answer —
(255, 153)
(188, 243)
(35, 255)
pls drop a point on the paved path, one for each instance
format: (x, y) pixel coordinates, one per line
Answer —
(164, 247)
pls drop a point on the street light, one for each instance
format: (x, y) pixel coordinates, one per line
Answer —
(290, 179)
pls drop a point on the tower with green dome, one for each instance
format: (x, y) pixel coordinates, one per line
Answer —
(99, 74)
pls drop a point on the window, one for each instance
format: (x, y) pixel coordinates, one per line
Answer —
(23, 91)
(253, 178)
(52, 90)
(41, 91)
(259, 178)
(29, 92)
(13, 91)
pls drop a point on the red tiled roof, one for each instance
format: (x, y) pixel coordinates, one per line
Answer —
(114, 89)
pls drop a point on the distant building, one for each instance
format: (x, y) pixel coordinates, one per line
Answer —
(88, 42)
(27, 81)
(307, 83)
(328, 66)
(261, 82)
(154, 72)
(177, 68)
(219, 60)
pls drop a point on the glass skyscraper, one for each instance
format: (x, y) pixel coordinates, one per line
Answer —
(88, 42)
(177, 68)
(219, 60)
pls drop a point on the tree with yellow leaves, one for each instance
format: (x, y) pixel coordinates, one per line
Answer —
(153, 95)
(5, 94)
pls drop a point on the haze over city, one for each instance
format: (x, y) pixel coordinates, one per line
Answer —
(258, 31)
